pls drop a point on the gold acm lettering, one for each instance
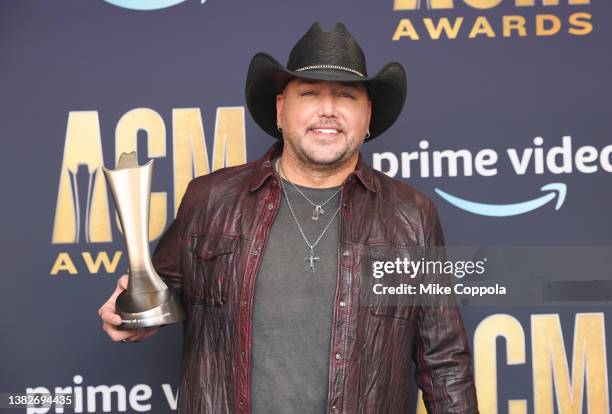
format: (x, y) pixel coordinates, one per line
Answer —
(485, 363)
(63, 263)
(405, 28)
(550, 368)
(540, 25)
(102, 259)
(482, 4)
(514, 22)
(578, 24)
(416, 4)
(531, 3)
(82, 147)
(189, 150)
(581, 23)
(420, 409)
(547, 25)
(481, 26)
(126, 140)
(443, 25)
(550, 365)
(477, 4)
(189, 145)
(230, 138)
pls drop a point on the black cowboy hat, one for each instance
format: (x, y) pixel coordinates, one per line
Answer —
(330, 56)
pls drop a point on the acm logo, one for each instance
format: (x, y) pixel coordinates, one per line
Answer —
(476, 4)
(557, 386)
(82, 212)
(546, 24)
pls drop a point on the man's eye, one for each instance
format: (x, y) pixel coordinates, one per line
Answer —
(347, 95)
(306, 93)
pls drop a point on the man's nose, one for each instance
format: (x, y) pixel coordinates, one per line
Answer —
(327, 104)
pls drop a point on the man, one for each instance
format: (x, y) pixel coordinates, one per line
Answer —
(270, 256)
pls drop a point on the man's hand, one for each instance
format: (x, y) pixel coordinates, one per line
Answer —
(110, 320)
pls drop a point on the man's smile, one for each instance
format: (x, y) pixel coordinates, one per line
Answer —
(325, 131)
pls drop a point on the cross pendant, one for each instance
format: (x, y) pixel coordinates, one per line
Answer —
(317, 212)
(311, 261)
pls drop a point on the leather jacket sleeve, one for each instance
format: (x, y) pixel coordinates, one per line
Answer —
(442, 357)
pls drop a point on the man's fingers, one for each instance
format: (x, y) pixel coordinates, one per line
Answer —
(132, 335)
(121, 286)
(140, 334)
(110, 303)
(136, 338)
(112, 320)
(123, 282)
(109, 316)
(117, 335)
(114, 333)
(150, 331)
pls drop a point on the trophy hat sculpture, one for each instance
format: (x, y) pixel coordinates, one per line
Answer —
(147, 301)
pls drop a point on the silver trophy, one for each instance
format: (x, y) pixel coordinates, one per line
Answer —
(148, 301)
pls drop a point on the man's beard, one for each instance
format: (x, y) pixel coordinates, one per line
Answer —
(308, 158)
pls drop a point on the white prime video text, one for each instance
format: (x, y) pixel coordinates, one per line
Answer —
(565, 158)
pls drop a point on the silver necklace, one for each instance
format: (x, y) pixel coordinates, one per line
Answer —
(318, 208)
(311, 259)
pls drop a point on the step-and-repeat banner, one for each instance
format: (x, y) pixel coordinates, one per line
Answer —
(507, 127)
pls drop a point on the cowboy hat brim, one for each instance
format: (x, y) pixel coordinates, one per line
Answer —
(267, 78)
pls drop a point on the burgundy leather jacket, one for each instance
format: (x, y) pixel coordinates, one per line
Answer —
(212, 252)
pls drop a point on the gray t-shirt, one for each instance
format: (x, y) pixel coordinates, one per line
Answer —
(293, 308)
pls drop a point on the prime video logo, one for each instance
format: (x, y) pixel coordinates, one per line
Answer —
(146, 4)
(566, 158)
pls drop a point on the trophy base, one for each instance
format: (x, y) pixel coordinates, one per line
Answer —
(170, 310)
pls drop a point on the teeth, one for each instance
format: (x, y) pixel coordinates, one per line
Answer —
(326, 131)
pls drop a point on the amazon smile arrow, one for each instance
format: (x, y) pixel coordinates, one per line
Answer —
(146, 4)
(504, 210)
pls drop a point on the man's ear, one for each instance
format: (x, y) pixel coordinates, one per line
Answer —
(279, 110)
(369, 112)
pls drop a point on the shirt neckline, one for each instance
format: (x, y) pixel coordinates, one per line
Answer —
(304, 188)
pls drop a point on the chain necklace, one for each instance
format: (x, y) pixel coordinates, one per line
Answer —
(311, 258)
(318, 208)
